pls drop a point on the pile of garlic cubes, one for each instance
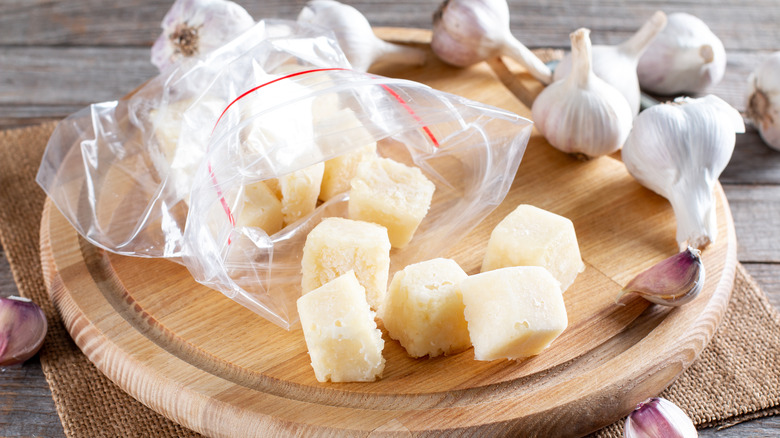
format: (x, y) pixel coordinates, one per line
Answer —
(513, 309)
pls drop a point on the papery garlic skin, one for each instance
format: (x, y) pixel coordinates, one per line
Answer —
(466, 32)
(617, 64)
(23, 328)
(657, 417)
(355, 36)
(763, 105)
(196, 27)
(686, 57)
(679, 150)
(581, 114)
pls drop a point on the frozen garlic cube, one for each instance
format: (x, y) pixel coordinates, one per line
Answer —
(341, 335)
(340, 170)
(260, 209)
(514, 312)
(299, 191)
(337, 245)
(424, 309)
(344, 130)
(530, 236)
(390, 194)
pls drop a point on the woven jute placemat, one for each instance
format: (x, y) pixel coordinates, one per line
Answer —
(737, 377)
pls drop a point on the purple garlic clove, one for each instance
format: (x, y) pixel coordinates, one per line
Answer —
(672, 282)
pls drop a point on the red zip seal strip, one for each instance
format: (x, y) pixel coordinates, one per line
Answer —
(387, 88)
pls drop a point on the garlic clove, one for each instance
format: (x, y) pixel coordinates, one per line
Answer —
(763, 103)
(617, 64)
(657, 417)
(679, 150)
(196, 27)
(466, 32)
(581, 114)
(356, 37)
(22, 330)
(685, 57)
(672, 282)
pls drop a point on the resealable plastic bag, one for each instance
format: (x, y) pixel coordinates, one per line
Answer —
(165, 171)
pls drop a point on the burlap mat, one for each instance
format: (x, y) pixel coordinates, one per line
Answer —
(736, 378)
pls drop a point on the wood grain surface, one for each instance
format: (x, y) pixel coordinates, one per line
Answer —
(44, 45)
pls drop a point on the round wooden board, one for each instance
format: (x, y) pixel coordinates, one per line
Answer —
(202, 360)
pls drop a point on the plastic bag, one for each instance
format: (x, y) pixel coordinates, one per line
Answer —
(165, 171)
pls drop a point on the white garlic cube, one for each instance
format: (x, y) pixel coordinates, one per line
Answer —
(514, 312)
(260, 209)
(424, 309)
(531, 236)
(299, 192)
(337, 245)
(341, 335)
(393, 195)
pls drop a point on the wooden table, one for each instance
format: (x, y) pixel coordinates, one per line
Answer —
(58, 56)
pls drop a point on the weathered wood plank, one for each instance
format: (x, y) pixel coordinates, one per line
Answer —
(768, 277)
(70, 76)
(756, 211)
(136, 22)
(753, 162)
(763, 427)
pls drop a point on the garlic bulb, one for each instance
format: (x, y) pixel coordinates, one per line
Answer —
(679, 150)
(22, 330)
(355, 36)
(685, 57)
(617, 64)
(581, 114)
(763, 106)
(657, 417)
(672, 282)
(466, 32)
(196, 27)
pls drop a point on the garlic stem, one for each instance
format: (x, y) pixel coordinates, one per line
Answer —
(399, 54)
(581, 58)
(519, 52)
(694, 210)
(638, 42)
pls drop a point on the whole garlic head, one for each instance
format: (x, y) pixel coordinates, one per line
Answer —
(196, 27)
(763, 106)
(355, 36)
(581, 114)
(685, 57)
(466, 32)
(679, 150)
(617, 64)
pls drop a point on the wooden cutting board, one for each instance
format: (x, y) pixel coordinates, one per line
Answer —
(202, 360)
